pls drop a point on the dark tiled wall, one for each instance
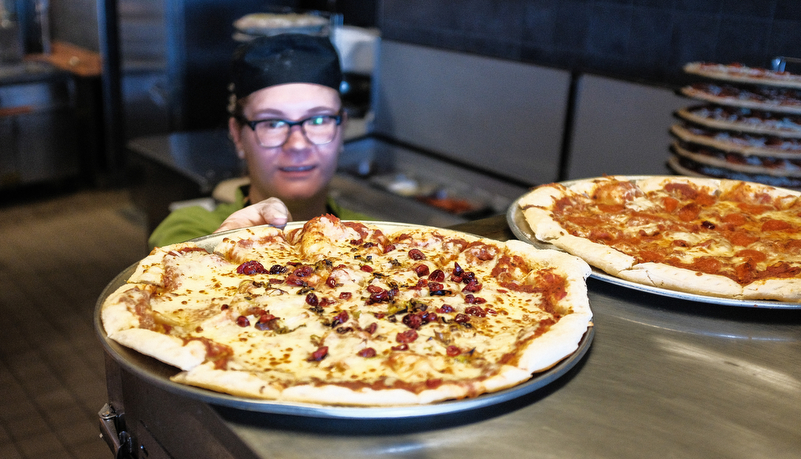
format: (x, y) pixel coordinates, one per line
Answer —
(642, 40)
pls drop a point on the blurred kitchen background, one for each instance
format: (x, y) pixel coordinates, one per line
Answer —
(112, 111)
(458, 106)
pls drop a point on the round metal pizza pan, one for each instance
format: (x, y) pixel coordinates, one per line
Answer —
(158, 373)
(519, 226)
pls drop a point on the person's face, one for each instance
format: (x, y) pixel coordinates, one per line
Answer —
(297, 170)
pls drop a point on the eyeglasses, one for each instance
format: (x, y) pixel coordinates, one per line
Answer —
(318, 129)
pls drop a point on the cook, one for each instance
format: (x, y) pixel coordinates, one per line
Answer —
(286, 122)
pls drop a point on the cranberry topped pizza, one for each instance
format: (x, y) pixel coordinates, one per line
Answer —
(346, 313)
(723, 238)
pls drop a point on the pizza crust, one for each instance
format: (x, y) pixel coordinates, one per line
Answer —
(169, 349)
(682, 280)
(774, 289)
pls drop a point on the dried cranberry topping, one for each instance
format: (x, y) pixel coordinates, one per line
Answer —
(471, 299)
(437, 276)
(311, 299)
(406, 336)
(475, 311)
(416, 254)
(435, 286)
(461, 318)
(242, 321)
(267, 322)
(389, 248)
(278, 269)
(266, 317)
(340, 318)
(345, 295)
(437, 289)
(319, 354)
(452, 351)
(366, 268)
(331, 282)
(400, 347)
(421, 270)
(429, 317)
(378, 294)
(367, 353)
(224, 307)
(413, 321)
(371, 328)
(473, 286)
(445, 309)
(303, 271)
(295, 280)
(250, 268)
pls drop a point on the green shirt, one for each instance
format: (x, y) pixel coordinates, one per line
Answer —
(195, 221)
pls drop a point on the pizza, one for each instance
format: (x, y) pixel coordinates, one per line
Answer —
(720, 238)
(332, 312)
(745, 144)
(743, 120)
(732, 160)
(740, 73)
(784, 100)
(684, 165)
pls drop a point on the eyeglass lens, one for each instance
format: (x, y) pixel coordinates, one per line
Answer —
(319, 130)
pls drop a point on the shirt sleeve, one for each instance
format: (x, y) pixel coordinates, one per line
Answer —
(190, 222)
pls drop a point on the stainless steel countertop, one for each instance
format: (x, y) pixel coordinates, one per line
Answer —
(664, 377)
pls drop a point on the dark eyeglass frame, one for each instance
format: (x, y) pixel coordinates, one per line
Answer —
(290, 124)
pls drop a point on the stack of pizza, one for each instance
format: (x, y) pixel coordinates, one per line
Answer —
(747, 125)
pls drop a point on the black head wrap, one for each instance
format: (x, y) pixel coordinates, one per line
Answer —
(285, 58)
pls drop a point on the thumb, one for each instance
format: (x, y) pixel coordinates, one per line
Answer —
(271, 211)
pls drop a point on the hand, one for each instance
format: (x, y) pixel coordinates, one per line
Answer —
(271, 211)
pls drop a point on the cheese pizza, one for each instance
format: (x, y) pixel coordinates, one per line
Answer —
(723, 238)
(344, 313)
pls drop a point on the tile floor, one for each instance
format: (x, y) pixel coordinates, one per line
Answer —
(57, 253)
